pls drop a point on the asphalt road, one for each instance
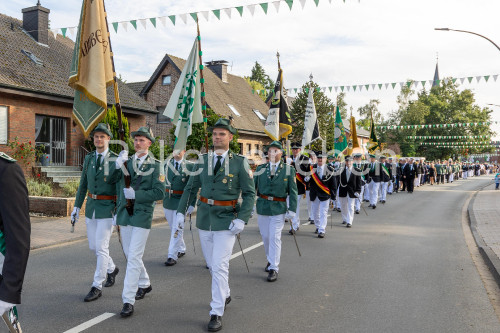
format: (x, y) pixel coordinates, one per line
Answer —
(403, 268)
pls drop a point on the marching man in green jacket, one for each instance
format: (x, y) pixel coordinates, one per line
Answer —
(100, 208)
(274, 181)
(176, 171)
(222, 176)
(147, 186)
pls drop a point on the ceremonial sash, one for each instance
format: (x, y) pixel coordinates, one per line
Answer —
(319, 182)
(300, 178)
(385, 169)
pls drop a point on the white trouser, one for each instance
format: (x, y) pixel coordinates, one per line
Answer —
(390, 187)
(270, 229)
(464, 174)
(309, 206)
(452, 176)
(367, 191)
(296, 218)
(374, 187)
(337, 200)
(383, 190)
(176, 243)
(347, 209)
(320, 209)
(416, 181)
(217, 247)
(134, 242)
(98, 233)
(358, 200)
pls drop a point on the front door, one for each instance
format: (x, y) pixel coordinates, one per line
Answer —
(50, 133)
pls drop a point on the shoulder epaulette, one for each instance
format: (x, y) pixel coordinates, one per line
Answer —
(6, 157)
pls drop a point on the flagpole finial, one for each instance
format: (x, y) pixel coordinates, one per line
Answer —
(311, 76)
(278, 56)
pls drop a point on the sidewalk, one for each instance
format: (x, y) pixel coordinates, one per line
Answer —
(49, 231)
(484, 215)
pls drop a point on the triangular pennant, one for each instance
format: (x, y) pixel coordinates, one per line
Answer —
(277, 6)
(134, 24)
(289, 3)
(380, 86)
(353, 87)
(336, 88)
(54, 32)
(205, 15)
(486, 77)
(393, 85)
(240, 10)
(454, 79)
(163, 21)
(115, 26)
(302, 3)
(478, 78)
(153, 21)
(143, 23)
(470, 79)
(330, 88)
(462, 79)
(495, 77)
(124, 25)
(72, 30)
(316, 2)
(63, 31)
(251, 8)
(228, 12)
(183, 18)
(408, 84)
(295, 89)
(172, 18)
(367, 86)
(348, 88)
(387, 85)
(415, 84)
(194, 16)
(264, 7)
(342, 88)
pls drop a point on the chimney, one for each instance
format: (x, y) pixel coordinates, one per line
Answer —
(219, 67)
(36, 22)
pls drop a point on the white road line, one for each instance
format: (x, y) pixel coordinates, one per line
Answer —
(90, 323)
(248, 249)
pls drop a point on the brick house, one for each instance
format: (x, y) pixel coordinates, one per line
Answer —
(36, 102)
(226, 94)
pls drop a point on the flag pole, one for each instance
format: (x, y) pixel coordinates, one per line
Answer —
(202, 84)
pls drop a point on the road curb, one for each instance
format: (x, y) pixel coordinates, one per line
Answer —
(490, 258)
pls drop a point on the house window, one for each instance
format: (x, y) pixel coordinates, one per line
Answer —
(234, 110)
(257, 147)
(160, 118)
(3, 125)
(241, 148)
(249, 148)
(166, 80)
(257, 112)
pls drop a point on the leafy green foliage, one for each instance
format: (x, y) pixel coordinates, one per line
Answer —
(38, 188)
(259, 75)
(365, 113)
(70, 188)
(257, 86)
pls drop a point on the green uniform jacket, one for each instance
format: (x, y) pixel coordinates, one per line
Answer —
(149, 188)
(281, 185)
(96, 182)
(232, 179)
(177, 181)
(439, 169)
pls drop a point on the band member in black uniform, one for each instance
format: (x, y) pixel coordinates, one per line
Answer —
(301, 163)
(349, 190)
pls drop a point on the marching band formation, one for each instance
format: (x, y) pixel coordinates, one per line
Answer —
(123, 190)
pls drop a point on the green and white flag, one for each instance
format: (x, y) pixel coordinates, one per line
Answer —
(184, 106)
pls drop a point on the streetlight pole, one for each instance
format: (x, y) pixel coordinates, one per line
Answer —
(469, 32)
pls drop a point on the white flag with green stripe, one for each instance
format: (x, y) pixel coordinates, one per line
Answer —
(184, 106)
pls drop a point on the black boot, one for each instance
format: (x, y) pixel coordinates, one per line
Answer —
(215, 323)
(127, 310)
(273, 275)
(141, 292)
(170, 262)
(110, 281)
(93, 294)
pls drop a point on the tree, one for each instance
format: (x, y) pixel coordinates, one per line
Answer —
(324, 111)
(365, 113)
(257, 86)
(342, 105)
(259, 75)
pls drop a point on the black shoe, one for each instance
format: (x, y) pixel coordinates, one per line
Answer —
(374, 206)
(228, 300)
(267, 267)
(110, 281)
(383, 201)
(180, 254)
(292, 231)
(370, 205)
(311, 221)
(170, 262)
(141, 292)
(316, 231)
(356, 212)
(348, 225)
(366, 200)
(207, 267)
(389, 193)
(321, 235)
(338, 210)
(127, 310)
(273, 275)
(215, 323)
(344, 222)
(93, 294)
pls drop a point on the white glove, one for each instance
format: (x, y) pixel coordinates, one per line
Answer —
(179, 221)
(75, 215)
(236, 226)
(114, 220)
(291, 214)
(190, 210)
(122, 158)
(356, 194)
(129, 193)
(4, 306)
(307, 178)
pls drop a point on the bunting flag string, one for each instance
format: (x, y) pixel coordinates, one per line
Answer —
(471, 146)
(448, 136)
(387, 86)
(396, 127)
(489, 143)
(215, 13)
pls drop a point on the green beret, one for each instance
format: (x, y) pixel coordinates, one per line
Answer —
(104, 128)
(225, 124)
(144, 131)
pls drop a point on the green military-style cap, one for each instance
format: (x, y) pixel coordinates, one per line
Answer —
(223, 123)
(275, 144)
(144, 131)
(104, 128)
(357, 155)
(330, 157)
(348, 158)
(372, 155)
(382, 157)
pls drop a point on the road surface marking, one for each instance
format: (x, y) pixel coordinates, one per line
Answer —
(248, 249)
(91, 323)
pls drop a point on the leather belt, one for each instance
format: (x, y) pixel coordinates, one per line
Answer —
(173, 191)
(102, 197)
(265, 197)
(212, 202)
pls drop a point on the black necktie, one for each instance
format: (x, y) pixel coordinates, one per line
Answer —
(177, 166)
(98, 164)
(217, 164)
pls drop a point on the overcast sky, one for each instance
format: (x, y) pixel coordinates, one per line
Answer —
(371, 41)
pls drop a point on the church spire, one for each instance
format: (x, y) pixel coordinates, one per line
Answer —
(435, 82)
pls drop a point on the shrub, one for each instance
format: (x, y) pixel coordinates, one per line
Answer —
(38, 188)
(70, 187)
